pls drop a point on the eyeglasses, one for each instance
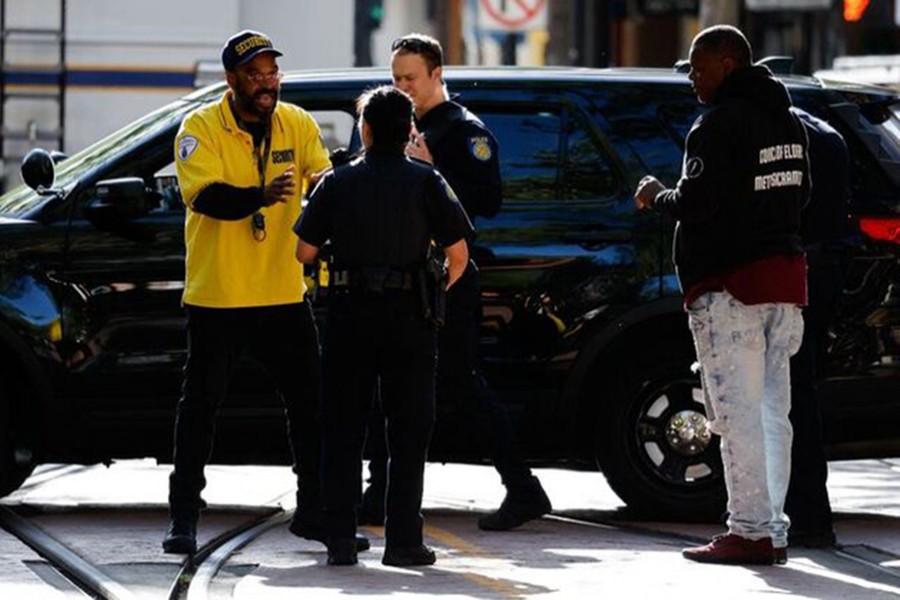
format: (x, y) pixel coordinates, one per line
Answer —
(260, 78)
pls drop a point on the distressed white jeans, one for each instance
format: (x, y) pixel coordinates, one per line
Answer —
(744, 353)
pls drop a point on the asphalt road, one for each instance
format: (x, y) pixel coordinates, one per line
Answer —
(114, 518)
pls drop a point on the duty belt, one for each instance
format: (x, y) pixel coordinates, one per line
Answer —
(375, 280)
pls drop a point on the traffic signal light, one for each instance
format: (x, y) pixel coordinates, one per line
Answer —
(375, 13)
(854, 9)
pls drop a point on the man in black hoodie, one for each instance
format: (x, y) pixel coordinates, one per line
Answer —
(743, 273)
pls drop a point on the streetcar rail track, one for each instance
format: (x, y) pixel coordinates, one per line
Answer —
(198, 571)
(858, 553)
(194, 577)
(87, 577)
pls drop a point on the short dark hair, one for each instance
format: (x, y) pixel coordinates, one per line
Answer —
(726, 40)
(424, 45)
(389, 113)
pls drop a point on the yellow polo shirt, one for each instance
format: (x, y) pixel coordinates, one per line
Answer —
(226, 267)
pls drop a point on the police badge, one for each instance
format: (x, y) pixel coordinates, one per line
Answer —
(480, 148)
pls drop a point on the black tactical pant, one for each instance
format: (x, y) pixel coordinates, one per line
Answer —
(284, 340)
(460, 384)
(807, 501)
(371, 339)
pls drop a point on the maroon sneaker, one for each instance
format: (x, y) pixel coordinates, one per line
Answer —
(732, 549)
(780, 556)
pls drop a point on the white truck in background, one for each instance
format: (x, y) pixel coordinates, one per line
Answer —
(72, 72)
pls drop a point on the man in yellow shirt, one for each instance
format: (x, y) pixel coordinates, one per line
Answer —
(243, 165)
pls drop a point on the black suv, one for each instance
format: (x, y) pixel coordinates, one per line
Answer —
(583, 331)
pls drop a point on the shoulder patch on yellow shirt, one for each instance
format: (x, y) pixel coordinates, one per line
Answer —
(186, 147)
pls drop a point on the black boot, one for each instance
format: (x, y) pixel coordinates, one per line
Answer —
(312, 527)
(181, 538)
(341, 552)
(414, 556)
(522, 504)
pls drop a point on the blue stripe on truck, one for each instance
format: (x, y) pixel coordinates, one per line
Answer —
(102, 78)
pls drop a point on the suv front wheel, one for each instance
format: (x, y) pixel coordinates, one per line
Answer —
(16, 456)
(655, 447)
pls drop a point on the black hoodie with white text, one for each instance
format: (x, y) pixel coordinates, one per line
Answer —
(745, 178)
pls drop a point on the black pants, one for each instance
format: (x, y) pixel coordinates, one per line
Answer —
(807, 501)
(373, 339)
(460, 383)
(285, 342)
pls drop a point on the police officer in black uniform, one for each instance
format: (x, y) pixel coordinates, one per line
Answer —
(464, 151)
(381, 213)
(823, 228)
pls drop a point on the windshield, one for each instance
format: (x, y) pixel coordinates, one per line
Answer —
(22, 199)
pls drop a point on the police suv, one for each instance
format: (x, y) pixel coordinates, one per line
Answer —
(583, 331)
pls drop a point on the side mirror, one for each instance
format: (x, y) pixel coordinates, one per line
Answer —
(38, 171)
(116, 201)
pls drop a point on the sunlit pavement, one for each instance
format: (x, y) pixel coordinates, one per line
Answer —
(122, 519)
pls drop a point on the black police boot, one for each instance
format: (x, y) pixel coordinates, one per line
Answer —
(522, 504)
(811, 538)
(181, 537)
(414, 556)
(341, 552)
(312, 527)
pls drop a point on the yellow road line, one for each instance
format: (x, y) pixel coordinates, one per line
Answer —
(454, 541)
(505, 589)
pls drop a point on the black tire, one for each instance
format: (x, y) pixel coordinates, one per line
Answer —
(653, 445)
(17, 455)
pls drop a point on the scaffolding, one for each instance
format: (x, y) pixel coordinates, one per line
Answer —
(33, 79)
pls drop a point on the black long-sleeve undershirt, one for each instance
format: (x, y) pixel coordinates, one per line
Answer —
(227, 202)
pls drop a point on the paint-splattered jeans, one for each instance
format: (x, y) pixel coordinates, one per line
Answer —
(744, 353)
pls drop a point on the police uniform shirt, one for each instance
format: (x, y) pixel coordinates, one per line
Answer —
(824, 219)
(382, 210)
(466, 154)
(226, 266)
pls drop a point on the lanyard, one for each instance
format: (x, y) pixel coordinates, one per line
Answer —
(258, 219)
(263, 160)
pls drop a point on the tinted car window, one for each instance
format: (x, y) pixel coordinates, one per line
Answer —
(587, 173)
(531, 145)
(654, 121)
(872, 190)
(529, 151)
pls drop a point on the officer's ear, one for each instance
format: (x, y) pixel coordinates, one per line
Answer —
(232, 79)
(728, 65)
(365, 133)
(437, 73)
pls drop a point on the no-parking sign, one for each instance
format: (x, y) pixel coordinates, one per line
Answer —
(512, 15)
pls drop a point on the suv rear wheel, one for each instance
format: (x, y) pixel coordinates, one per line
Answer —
(654, 447)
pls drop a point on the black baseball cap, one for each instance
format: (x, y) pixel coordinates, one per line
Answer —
(242, 47)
